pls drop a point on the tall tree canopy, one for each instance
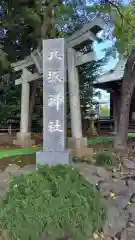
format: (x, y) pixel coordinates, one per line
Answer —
(25, 23)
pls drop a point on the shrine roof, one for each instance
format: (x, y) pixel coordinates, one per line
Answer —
(115, 74)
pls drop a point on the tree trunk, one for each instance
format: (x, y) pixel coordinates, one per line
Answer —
(48, 23)
(127, 89)
(116, 109)
(122, 133)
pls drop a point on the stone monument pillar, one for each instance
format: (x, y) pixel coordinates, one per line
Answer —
(54, 114)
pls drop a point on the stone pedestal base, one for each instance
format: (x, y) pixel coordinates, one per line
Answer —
(79, 147)
(53, 157)
(77, 143)
(82, 152)
(23, 140)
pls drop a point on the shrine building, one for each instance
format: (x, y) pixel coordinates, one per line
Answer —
(111, 82)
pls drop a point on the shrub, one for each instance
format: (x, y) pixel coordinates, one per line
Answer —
(54, 201)
(105, 159)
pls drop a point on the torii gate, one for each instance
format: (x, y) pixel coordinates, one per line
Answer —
(86, 35)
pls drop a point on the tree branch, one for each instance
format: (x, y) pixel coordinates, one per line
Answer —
(120, 13)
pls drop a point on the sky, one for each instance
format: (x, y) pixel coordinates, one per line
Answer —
(110, 65)
(100, 54)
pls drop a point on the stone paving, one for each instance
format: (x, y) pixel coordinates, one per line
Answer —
(116, 186)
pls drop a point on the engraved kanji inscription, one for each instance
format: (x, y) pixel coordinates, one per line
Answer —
(55, 100)
(54, 54)
(54, 77)
(54, 126)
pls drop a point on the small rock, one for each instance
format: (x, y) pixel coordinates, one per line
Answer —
(103, 173)
(119, 187)
(124, 171)
(129, 164)
(91, 178)
(89, 172)
(116, 175)
(95, 236)
(132, 200)
(131, 185)
(104, 188)
(101, 235)
(131, 224)
(128, 234)
(131, 211)
(115, 222)
(120, 202)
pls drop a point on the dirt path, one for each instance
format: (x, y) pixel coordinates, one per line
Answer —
(20, 161)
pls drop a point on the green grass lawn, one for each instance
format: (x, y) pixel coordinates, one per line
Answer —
(106, 139)
(18, 152)
(4, 153)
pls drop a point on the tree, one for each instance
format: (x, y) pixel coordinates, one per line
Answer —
(33, 20)
(125, 44)
(87, 74)
(122, 21)
(28, 22)
(124, 32)
(9, 100)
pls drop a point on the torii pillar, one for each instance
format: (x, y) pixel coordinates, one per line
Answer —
(77, 140)
(79, 40)
(24, 136)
